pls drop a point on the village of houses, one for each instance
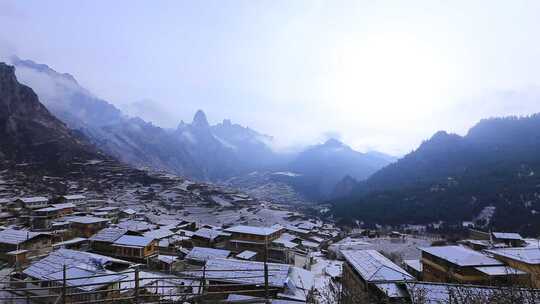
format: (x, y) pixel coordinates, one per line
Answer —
(184, 242)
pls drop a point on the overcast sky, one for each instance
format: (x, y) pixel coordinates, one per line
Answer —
(378, 74)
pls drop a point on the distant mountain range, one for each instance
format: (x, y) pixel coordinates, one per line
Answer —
(197, 150)
(192, 149)
(322, 167)
(449, 178)
(453, 178)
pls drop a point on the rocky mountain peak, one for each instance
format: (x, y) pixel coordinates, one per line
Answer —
(182, 125)
(199, 120)
(332, 142)
(15, 99)
(7, 74)
(227, 123)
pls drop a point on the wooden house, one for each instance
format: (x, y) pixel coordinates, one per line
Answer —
(526, 259)
(457, 264)
(367, 274)
(135, 248)
(87, 226)
(35, 243)
(256, 239)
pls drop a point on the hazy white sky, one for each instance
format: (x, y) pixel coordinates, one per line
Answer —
(382, 74)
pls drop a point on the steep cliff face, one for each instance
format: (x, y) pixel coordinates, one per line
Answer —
(28, 132)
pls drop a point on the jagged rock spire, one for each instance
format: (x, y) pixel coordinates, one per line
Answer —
(199, 120)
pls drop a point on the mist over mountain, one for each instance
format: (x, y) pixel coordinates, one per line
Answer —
(248, 143)
(196, 149)
(452, 178)
(30, 134)
(130, 140)
(192, 149)
(323, 166)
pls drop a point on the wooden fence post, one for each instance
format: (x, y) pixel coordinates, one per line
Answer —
(266, 292)
(136, 291)
(203, 283)
(64, 284)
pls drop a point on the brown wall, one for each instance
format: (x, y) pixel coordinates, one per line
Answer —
(532, 270)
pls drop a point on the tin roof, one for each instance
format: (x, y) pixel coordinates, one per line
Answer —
(373, 266)
(133, 241)
(528, 255)
(15, 237)
(108, 235)
(79, 264)
(461, 256)
(203, 254)
(262, 231)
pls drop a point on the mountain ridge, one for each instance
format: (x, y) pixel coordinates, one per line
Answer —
(452, 178)
(30, 133)
(195, 149)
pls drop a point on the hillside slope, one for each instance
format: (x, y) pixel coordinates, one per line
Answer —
(452, 178)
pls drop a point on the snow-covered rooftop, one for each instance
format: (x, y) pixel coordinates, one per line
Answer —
(414, 264)
(64, 205)
(35, 199)
(203, 254)
(373, 266)
(528, 255)
(79, 264)
(245, 272)
(108, 234)
(285, 240)
(167, 259)
(499, 270)
(107, 209)
(129, 211)
(262, 231)
(15, 237)
(74, 197)
(133, 241)
(246, 255)
(77, 276)
(87, 220)
(461, 256)
(159, 233)
(210, 234)
(136, 225)
(507, 236)
(70, 242)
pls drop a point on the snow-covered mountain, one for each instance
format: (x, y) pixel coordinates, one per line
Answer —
(197, 150)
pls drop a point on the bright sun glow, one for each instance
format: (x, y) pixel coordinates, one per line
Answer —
(388, 76)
